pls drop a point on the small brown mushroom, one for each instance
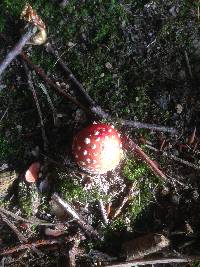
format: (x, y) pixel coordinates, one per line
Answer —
(31, 174)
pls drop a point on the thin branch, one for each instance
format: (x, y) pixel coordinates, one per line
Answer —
(130, 192)
(88, 229)
(17, 48)
(19, 218)
(139, 125)
(142, 246)
(53, 109)
(133, 147)
(40, 72)
(31, 86)
(79, 87)
(32, 246)
(188, 64)
(4, 114)
(155, 261)
(95, 109)
(170, 156)
(14, 228)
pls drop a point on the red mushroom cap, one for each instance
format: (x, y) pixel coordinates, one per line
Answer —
(31, 174)
(97, 148)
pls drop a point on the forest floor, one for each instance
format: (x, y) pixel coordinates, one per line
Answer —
(139, 61)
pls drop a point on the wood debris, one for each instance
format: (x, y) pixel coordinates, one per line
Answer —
(145, 245)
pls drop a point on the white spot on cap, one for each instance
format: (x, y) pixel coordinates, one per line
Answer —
(85, 152)
(87, 141)
(88, 160)
(82, 163)
(110, 130)
(119, 134)
(93, 146)
(112, 126)
(120, 145)
(95, 154)
(79, 147)
(96, 132)
(98, 139)
(76, 156)
(94, 161)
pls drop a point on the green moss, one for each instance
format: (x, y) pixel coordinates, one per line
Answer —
(25, 202)
(72, 190)
(135, 170)
(196, 264)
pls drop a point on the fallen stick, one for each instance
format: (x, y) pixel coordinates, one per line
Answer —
(153, 127)
(68, 72)
(93, 110)
(88, 229)
(17, 48)
(20, 236)
(40, 72)
(97, 110)
(155, 261)
(130, 193)
(19, 218)
(129, 145)
(144, 245)
(170, 156)
(31, 86)
(32, 246)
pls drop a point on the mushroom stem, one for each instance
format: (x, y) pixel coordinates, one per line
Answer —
(17, 48)
(133, 147)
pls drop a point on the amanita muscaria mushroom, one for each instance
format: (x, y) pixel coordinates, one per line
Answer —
(97, 148)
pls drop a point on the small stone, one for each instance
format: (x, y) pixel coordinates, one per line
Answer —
(19, 128)
(108, 65)
(35, 152)
(179, 108)
(173, 11)
(71, 44)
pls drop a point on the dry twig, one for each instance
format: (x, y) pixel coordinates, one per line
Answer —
(32, 88)
(32, 246)
(170, 156)
(130, 145)
(188, 64)
(88, 229)
(17, 48)
(154, 261)
(19, 218)
(40, 72)
(144, 245)
(14, 228)
(79, 87)
(94, 108)
(129, 193)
